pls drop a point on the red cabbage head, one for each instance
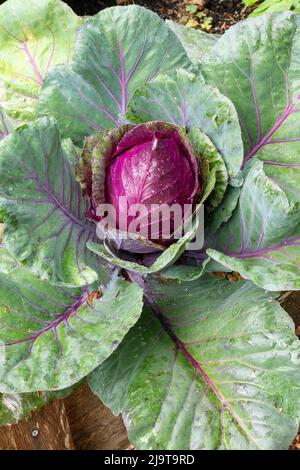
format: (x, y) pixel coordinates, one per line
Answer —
(142, 172)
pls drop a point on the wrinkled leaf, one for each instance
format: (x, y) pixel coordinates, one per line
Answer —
(51, 337)
(219, 370)
(45, 224)
(210, 158)
(187, 101)
(197, 43)
(256, 64)
(262, 238)
(117, 51)
(34, 36)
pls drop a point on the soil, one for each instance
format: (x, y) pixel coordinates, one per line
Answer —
(214, 16)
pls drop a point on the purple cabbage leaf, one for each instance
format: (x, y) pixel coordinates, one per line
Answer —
(117, 164)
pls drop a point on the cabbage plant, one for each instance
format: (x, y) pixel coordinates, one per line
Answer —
(135, 107)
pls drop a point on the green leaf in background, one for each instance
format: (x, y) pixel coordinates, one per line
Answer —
(256, 64)
(116, 51)
(271, 6)
(51, 337)
(34, 36)
(218, 368)
(197, 43)
(187, 101)
(262, 238)
(45, 224)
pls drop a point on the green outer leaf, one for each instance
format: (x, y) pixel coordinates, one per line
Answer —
(223, 212)
(227, 379)
(261, 240)
(185, 272)
(210, 158)
(90, 169)
(197, 43)
(34, 36)
(117, 51)
(215, 267)
(188, 102)
(45, 223)
(51, 337)
(15, 407)
(171, 254)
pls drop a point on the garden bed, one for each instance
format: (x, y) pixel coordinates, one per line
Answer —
(81, 421)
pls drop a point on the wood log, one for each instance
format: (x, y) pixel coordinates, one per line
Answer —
(93, 426)
(290, 301)
(47, 429)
